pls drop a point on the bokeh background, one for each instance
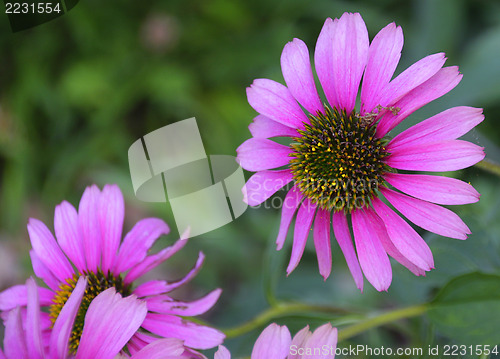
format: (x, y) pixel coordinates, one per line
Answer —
(76, 92)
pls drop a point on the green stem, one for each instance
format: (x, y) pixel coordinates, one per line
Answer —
(279, 310)
(381, 319)
(490, 166)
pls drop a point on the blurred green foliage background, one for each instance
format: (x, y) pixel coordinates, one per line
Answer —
(76, 92)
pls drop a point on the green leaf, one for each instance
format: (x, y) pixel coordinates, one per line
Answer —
(467, 309)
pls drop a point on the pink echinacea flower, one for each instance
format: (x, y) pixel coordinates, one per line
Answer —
(341, 160)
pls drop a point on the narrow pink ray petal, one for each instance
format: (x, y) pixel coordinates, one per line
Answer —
(185, 309)
(257, 154)
(152, 287)
(427, 215)
(161, 349)
(447, 125)
(17, 296)
(369, 231)
(47, 250)
(192, 273)
(297, 71)
(68, 234)
(404, 237)
(350, 55)
(14, 341)
(110, 322)
(322, 243)
(383, 58)
(41, 271)
(90, 227)
(324, 337)
(59, 339)
(264, 184)
(323, 60)
(274, 100)
(222, 353)
(111, 214)
(264, 127)
(33, 332)
(273, 342)
(436, 189)
(299, 341)
(343, 236)
(290, 204)
(138, 242)
(441, 83)
(303, 223)
(442, 156)
(194, 335)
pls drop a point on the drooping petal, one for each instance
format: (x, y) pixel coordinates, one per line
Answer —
(110, 322)
(297, 71)
(427, 215)
(303, 223)
(33, 331)
(14, 341)
(68, 234)
(161, 349)
(447, 125)
(273, 342)
(222, 353)
(322, 243)
(111, 214)
(90, 227)
(257, 154)
(324, 337)
(59, 339)
(368, 230)
(137, 243)
(436, 189)
(47, 250)
(17, 296)
(290, 204)
(404, 237)
(438, 85)
(350, 55)
(383, 58)
(343, 236)
(41, 271)
(442, 156)
(185, 309)
(264, 184)
(264, 127)
(274, 100)
(194, 335)
(323, 60)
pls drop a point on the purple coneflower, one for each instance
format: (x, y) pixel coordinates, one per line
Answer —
(341, 160)
(276, 342)
(88, 244)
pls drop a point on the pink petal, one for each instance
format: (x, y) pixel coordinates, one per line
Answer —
(303, 223)
(299, 341)
(273, 100)
(161, 349)
(438, 85)
(192, 273)
(404, 237)
(90, 227)
(264, 127)
(47, 250)
(194, 335)
(59, 339)
(436, 189)
(264, 184)
(322, 242)
(324, 337)
(350, 55)
(343, 236)
(153, 287)
(17, 296)
(383, 58)
(41, 271)
(412, 77)
(323, 60)
(111, 214)
(273, 342)
(369, 231)
(137, 243)
(222, 353)
(257, 154)
(185, 309)
(110, 322)
(14, 340)
(296, 68)
(290, 203)
(429, 216)
(33, 332)
(68, 234)
(442, 156)
(447, 125)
